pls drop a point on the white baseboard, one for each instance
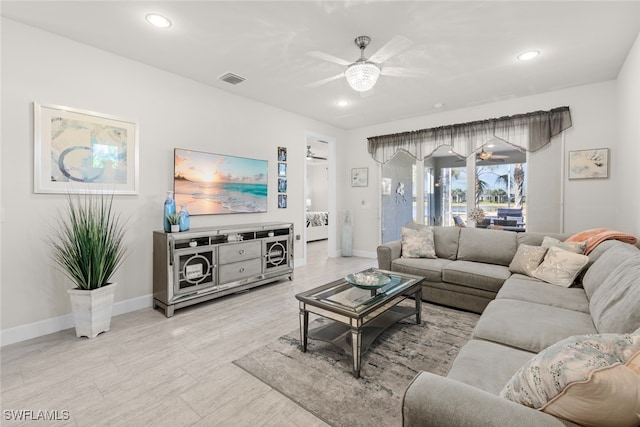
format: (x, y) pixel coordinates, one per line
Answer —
(362, 254)
(55, 324)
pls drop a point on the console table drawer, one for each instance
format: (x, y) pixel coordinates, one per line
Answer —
(239, 270)
(239, 251)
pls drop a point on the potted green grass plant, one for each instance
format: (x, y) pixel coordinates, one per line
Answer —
(174, 221)
(88, 246)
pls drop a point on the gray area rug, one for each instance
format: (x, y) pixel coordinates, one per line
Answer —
(321, 379)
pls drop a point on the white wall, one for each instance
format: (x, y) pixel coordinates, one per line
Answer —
(628, 97)
(171, 112)
(588, 203)
(318, 185)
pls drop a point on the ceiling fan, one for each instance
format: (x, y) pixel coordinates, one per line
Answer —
(363, 74)
(312, 155)
(486, 155)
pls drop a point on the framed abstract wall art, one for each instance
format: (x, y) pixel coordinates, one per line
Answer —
(359, 177)
(78, 151)
(211, 183)
(585, 164)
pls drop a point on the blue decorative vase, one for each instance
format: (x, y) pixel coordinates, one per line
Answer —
(184, 218)
(169, 208)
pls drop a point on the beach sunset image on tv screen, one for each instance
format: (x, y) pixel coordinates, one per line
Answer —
(218, 184)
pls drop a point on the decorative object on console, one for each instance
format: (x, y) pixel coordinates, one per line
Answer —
(77, 146)
(169, 209)
(581, 379)
(174, 222)
(185, 222)
(584, 164)
(88, 246)
(219, 184)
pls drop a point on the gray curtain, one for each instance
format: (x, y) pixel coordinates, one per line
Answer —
(529, 132)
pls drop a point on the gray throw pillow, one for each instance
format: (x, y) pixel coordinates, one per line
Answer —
(418, 243)
(527, 259)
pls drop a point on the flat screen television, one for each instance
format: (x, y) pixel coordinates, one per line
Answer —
(219, 184)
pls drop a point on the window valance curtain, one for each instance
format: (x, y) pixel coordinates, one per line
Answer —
(530, 132)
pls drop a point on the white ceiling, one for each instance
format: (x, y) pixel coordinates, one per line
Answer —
(469, 48)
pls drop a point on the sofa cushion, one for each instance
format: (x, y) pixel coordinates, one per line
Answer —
(560, 267)
(539, 292)
(478, 275)
(535, 238)
(606, 263)
(575, 247)
(581, 379)
(488, 246)
(615, 305)
(476, 365)
(430, 269)
(527, 259)
(530, 326)
(418, 243)
(445, 239)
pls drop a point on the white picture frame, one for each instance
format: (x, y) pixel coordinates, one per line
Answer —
(589, 164)
(79, 151)
(359, 177)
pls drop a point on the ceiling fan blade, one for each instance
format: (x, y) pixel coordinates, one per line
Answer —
(499, 156)
(323, 81)
(404, 72)
(330, 58)
(395, 46)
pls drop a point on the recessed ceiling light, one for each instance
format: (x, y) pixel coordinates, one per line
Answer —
(158, 20)
(438, 105)
(342, 103)
(525, 56)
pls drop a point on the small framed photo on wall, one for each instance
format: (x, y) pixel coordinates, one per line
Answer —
(282, 154)
(282, 169)
(282, 185)
(359, 177)
(282, 201)
(589, 164)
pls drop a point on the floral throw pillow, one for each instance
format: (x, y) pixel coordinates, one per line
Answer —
(591, 380)
(418, 243)
(527, 259)
(560, 267)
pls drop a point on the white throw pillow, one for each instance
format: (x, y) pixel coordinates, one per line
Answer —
(560, 267)
(418, 243)
(591, 380)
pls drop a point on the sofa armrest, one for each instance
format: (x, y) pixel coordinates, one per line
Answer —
(387, 253)
(432, 400)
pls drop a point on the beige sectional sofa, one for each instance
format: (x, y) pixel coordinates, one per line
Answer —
(524, 321)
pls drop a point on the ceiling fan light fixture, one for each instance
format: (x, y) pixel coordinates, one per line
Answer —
(484, 155)
(362, 75)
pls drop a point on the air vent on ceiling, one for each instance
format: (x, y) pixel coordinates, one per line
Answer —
(234, 79)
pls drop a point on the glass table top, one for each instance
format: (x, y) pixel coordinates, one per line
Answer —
(353, 298)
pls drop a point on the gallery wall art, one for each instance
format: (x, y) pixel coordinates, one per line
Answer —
(585, 164)
(79, 151)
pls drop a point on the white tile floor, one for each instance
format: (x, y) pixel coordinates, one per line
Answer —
(150, 370)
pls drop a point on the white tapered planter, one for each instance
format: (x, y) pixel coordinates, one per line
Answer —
(92, 309)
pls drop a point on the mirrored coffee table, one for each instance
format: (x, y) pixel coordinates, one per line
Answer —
(360, 311)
